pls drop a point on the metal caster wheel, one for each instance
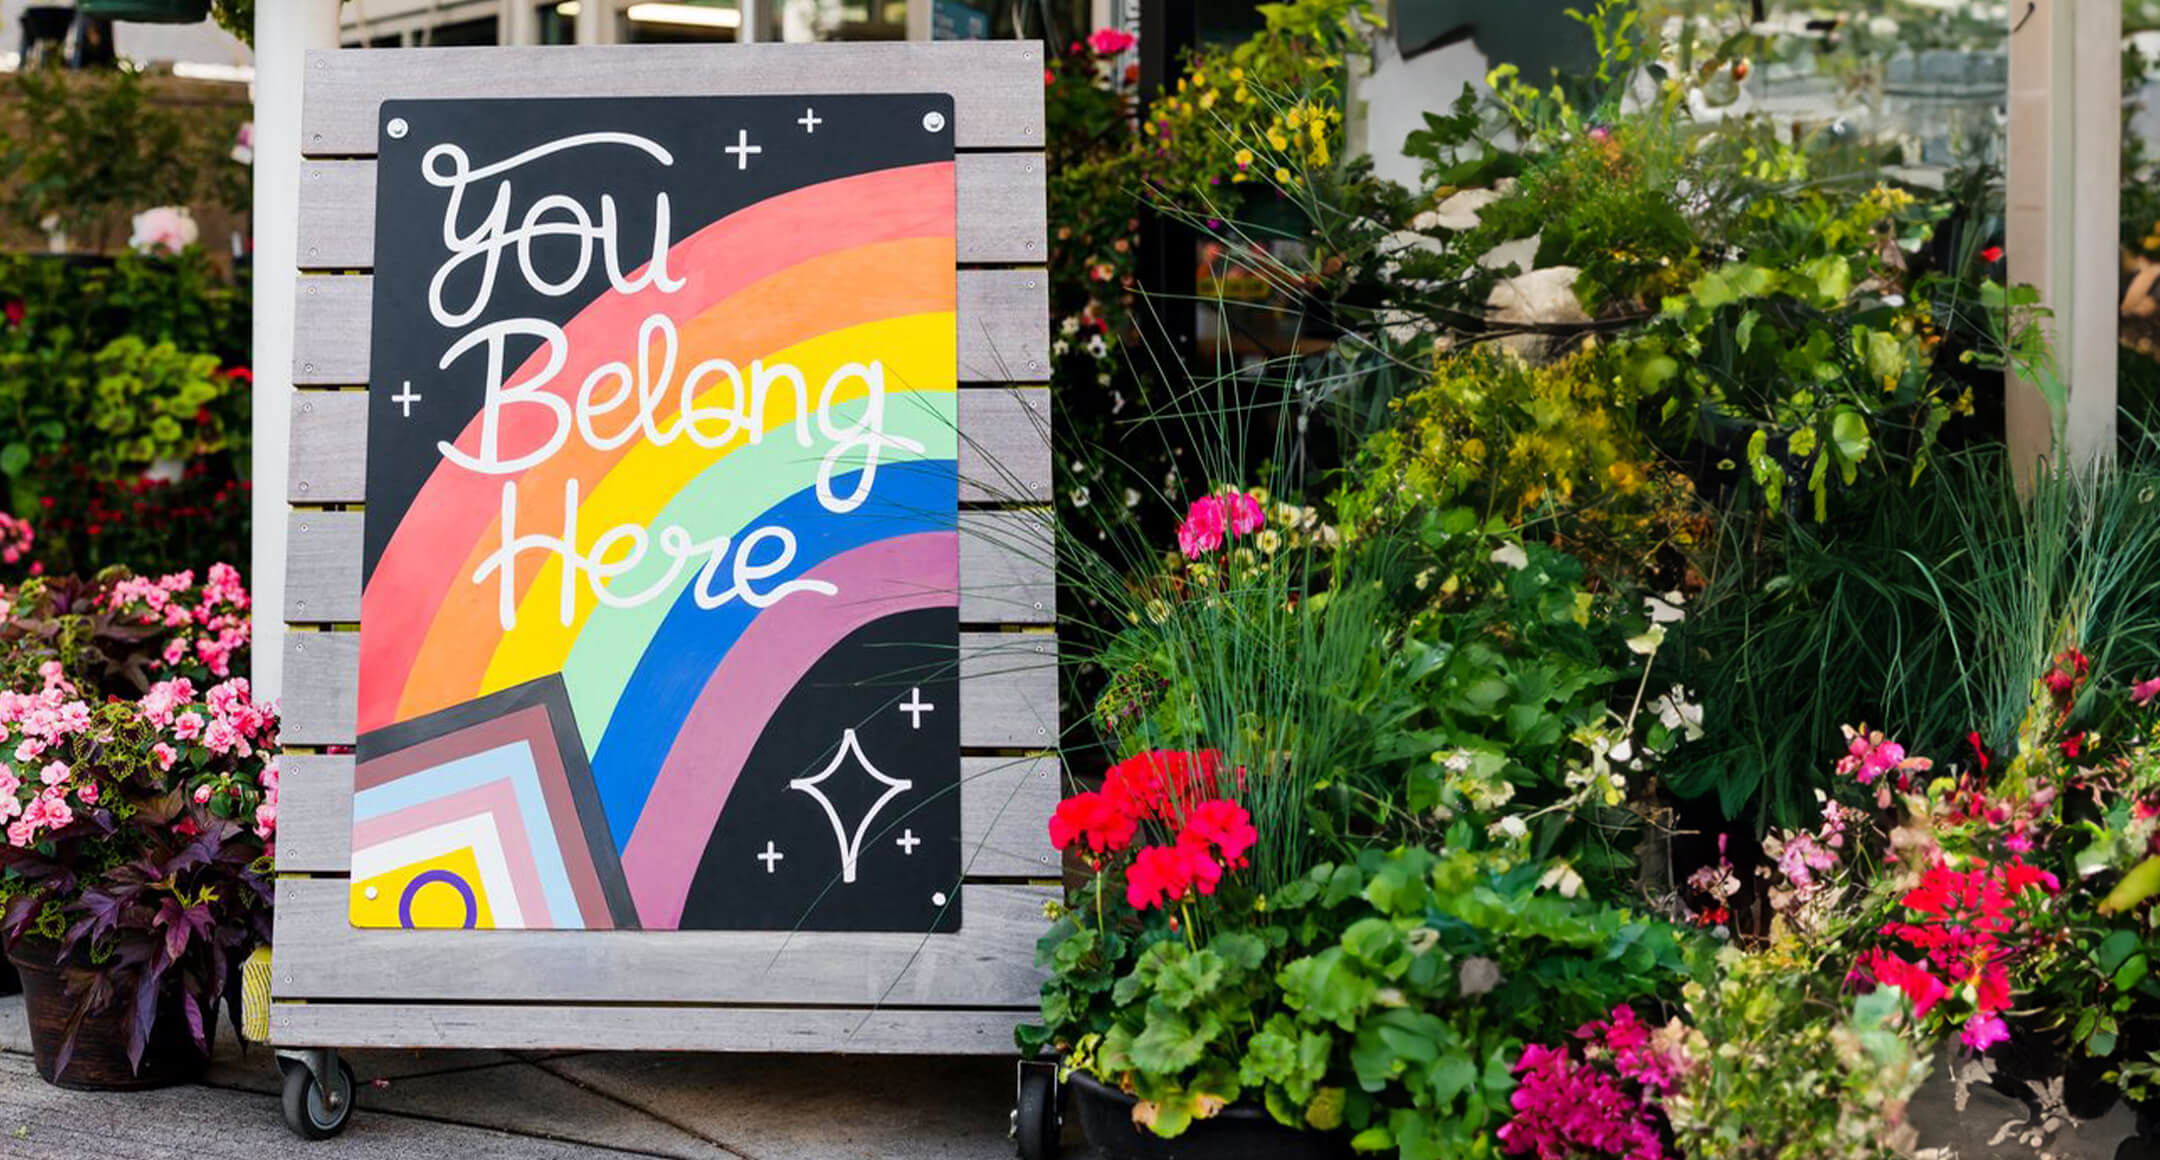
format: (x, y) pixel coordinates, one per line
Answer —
(1035, 1119)
(319, 1090)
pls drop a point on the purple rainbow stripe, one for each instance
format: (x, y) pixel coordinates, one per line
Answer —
(877, 580)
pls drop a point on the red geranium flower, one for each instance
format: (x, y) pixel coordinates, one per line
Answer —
(1095, 818)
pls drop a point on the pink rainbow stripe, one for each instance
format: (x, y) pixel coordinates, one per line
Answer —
(901, 574)
(497, 800)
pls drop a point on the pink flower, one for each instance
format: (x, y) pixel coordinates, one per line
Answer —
(1565, 1109)
(165, 755)
(54, 773)
(1246, 514)
(1111, 41)
(202, 794)
(188, 726)
(88, 793)
(1984, 1031)
(2144, 691)
(265, 819)
(1919, 985)
(1203, 528)
(19, 834)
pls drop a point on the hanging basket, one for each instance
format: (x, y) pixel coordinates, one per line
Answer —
(148, 11)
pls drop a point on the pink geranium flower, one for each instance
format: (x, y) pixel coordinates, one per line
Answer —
(1111, 41)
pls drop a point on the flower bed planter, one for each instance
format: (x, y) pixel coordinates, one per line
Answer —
(100, 1061)
(1239, 1132)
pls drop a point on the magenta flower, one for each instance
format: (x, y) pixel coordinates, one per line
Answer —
(1111, 41)
(2144, 691)
(1202, 531)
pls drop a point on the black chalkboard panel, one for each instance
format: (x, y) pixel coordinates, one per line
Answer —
(662, 439)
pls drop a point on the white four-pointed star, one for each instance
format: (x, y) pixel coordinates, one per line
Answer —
(850, 845)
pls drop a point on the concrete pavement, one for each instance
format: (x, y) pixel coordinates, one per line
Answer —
(571, 1106)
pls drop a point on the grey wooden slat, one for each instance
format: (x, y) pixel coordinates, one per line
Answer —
(1008, 689)
(793, 1030)
(996, 85)
(1007, 567)
(1005, 805)
(989, 962)
(1000, 202)
(1004, 446)
(1004, 324)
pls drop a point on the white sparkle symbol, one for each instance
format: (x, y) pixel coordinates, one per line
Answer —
(771, 857)
(809, 120)
(850, 845)
(915, 707)
(405, 397)
(907, 841)
(742, 149)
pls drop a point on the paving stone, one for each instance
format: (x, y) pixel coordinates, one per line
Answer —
(818, 1107)
(529, 1100)
(42, 1122)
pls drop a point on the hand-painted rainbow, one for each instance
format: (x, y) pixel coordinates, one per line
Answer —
(844, 271)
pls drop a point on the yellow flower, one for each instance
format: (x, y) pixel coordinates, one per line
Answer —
(1296, 118)
(1282, 175)
(1277, 141)
(1207, 99)
(1237, 74)
(1243, 97)
(1244, 157)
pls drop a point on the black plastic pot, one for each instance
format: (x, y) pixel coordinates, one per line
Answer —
(1239, 1132)
(10, 982)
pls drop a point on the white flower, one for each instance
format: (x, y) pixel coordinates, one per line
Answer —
(1513, 556)
(1648, 642)
(1096, 346)
(1079, 496)
(1665, 609)
(1070, 327)
(1512, 827)
(1563, 877)
(1674, 711)
(168, 227)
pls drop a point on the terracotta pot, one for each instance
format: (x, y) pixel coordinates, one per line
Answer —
(1238, 1132)
(100, 1061)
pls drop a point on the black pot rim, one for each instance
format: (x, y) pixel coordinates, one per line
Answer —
(1095, 1087)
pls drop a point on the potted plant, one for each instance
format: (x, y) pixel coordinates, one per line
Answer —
(1376, 1004)
(136, 861)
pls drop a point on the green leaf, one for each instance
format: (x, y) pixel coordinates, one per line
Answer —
(1849, 434)
(1186, 980)
(13, 458)
(1245, 951)
(1328, 986)
(1326, 1109)
(1170, 1043)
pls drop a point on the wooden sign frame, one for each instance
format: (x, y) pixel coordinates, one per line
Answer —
(337, 986)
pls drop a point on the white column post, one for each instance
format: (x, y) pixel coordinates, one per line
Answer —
(2062, 195)
(596, 20)
(520, 22)
(284, 32)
